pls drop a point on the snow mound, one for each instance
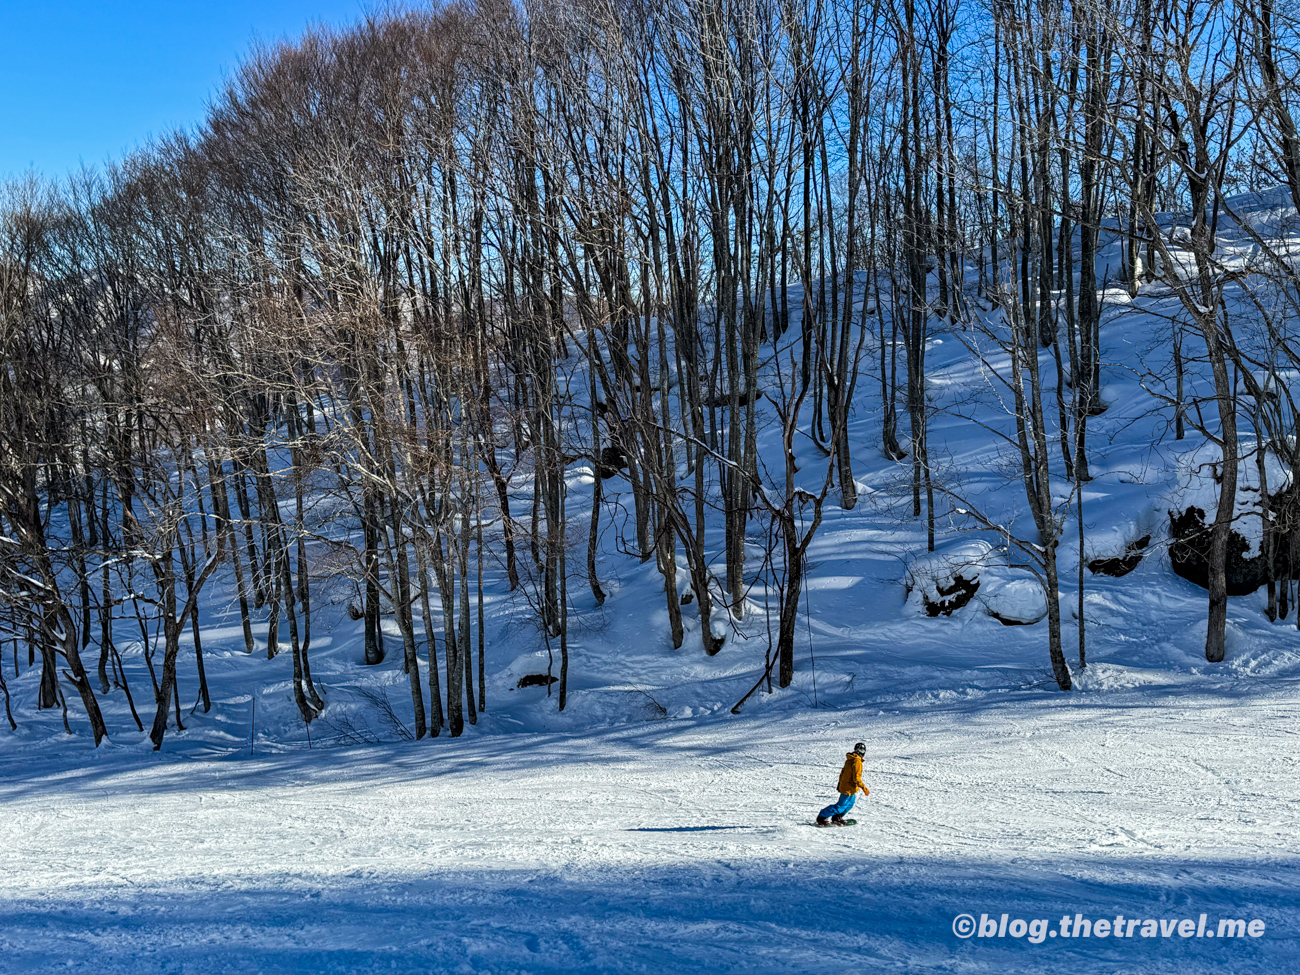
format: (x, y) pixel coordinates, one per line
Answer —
(939, 583)
(1014, 602)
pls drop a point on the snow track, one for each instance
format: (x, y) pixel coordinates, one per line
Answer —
(678, 845)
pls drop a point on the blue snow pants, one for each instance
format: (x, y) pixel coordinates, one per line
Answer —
(839, 808)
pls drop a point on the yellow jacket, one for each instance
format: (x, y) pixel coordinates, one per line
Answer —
(851, 775)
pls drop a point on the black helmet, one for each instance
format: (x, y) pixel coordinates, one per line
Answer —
(860, 748)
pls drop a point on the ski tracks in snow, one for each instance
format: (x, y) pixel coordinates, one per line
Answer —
(679, 845)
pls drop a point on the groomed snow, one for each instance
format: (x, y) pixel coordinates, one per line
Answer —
(682, 845)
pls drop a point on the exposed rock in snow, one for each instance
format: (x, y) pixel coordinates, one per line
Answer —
(1192, 511)
(536, 680)
(945, 581)
(612, 460)
(1189, 554)
(1121, 565)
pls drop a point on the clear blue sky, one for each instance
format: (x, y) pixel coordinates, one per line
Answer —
(88, 81)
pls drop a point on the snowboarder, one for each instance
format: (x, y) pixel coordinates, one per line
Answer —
(850, 783)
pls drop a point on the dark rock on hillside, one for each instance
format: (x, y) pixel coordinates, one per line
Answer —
(1190, 550)
(612, 460)
(1013, 621)
(1121, 565)
(536, 680)
(951, 598)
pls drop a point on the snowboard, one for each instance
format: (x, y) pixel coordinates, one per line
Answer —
(847, 822)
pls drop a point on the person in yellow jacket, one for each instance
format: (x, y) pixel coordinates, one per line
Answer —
(850, 783)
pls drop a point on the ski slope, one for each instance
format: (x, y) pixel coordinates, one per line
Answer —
(679, 845)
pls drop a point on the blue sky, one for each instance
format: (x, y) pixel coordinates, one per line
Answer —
(88, 81)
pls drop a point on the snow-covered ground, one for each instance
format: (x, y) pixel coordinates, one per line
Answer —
(647, 828)
(682, 845)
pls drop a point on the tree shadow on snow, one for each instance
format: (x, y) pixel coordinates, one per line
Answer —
(840, 912)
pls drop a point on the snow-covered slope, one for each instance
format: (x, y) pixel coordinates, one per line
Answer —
(683, 844)
(647, 828)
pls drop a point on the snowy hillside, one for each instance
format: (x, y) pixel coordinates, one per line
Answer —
(463, 499)
(647, 828)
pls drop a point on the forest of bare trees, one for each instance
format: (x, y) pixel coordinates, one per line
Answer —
(366, 320)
